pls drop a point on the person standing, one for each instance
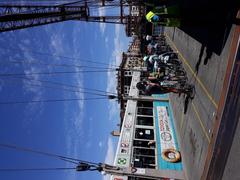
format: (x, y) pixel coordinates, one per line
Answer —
(165, 16)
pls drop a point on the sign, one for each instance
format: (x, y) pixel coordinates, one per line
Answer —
(124, 145)
(122, 161)
(166, 130)
(126, 137)
(165, 135)
(124, 151)
(140, 171)
(135, 11)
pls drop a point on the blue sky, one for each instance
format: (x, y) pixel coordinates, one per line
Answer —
(79, 129)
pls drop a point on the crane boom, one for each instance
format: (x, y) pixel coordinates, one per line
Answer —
(19, 17)
(13, 17)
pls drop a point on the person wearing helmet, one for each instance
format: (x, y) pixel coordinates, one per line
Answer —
(152, 17)
(141, 86)
(149, 38)
(147, 63)
(152, 47)
(165, 15)
(153, 58)
(149, 88)
(145, 58)
(164, 21)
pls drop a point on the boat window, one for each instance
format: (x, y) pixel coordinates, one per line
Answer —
(144, 104)
(148, 111)
(144, 143)
(144, 151)
(144, 120)
(142, 133)
(142, 161)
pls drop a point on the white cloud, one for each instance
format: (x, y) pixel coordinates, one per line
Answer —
(57, 44)
(112, 82)
(73, 118)
(109, 158)
(26, 41)
(106, 39)
(102, 12)
(75, 123)
(100, 144)
(36, 94)
(74, 128)
(73, 111)
(73, 151)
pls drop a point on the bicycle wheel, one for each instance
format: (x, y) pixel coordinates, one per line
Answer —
(179, 79)
(176, 84)
(168, 84)
(175, 67)
(188, 87)
(174, 61)
(181, 87)
(180, 73)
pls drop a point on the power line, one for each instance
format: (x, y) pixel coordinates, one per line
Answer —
(103, 93)
(60, 56)
(65, 85)
(50, 64)
(65, 89)
(48, 101)
(35, 169)
(55, 73)
(70, 85)
(18, 148)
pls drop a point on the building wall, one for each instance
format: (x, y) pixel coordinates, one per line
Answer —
(130, 60)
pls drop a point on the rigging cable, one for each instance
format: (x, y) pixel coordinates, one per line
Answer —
(36, 169)
(50, 64)
(65, 85)
(67, 89)
(56, 72)
(49, 100)
(61, 157)
(59, 56)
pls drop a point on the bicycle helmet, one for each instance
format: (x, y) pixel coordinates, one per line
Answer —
(145, 58)
(140, 86)
(148, 38)
(153, 58)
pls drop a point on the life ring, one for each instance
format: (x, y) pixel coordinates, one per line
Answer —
(133, 169)
(171, 155)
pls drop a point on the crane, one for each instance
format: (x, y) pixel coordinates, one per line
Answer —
(20, 16)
